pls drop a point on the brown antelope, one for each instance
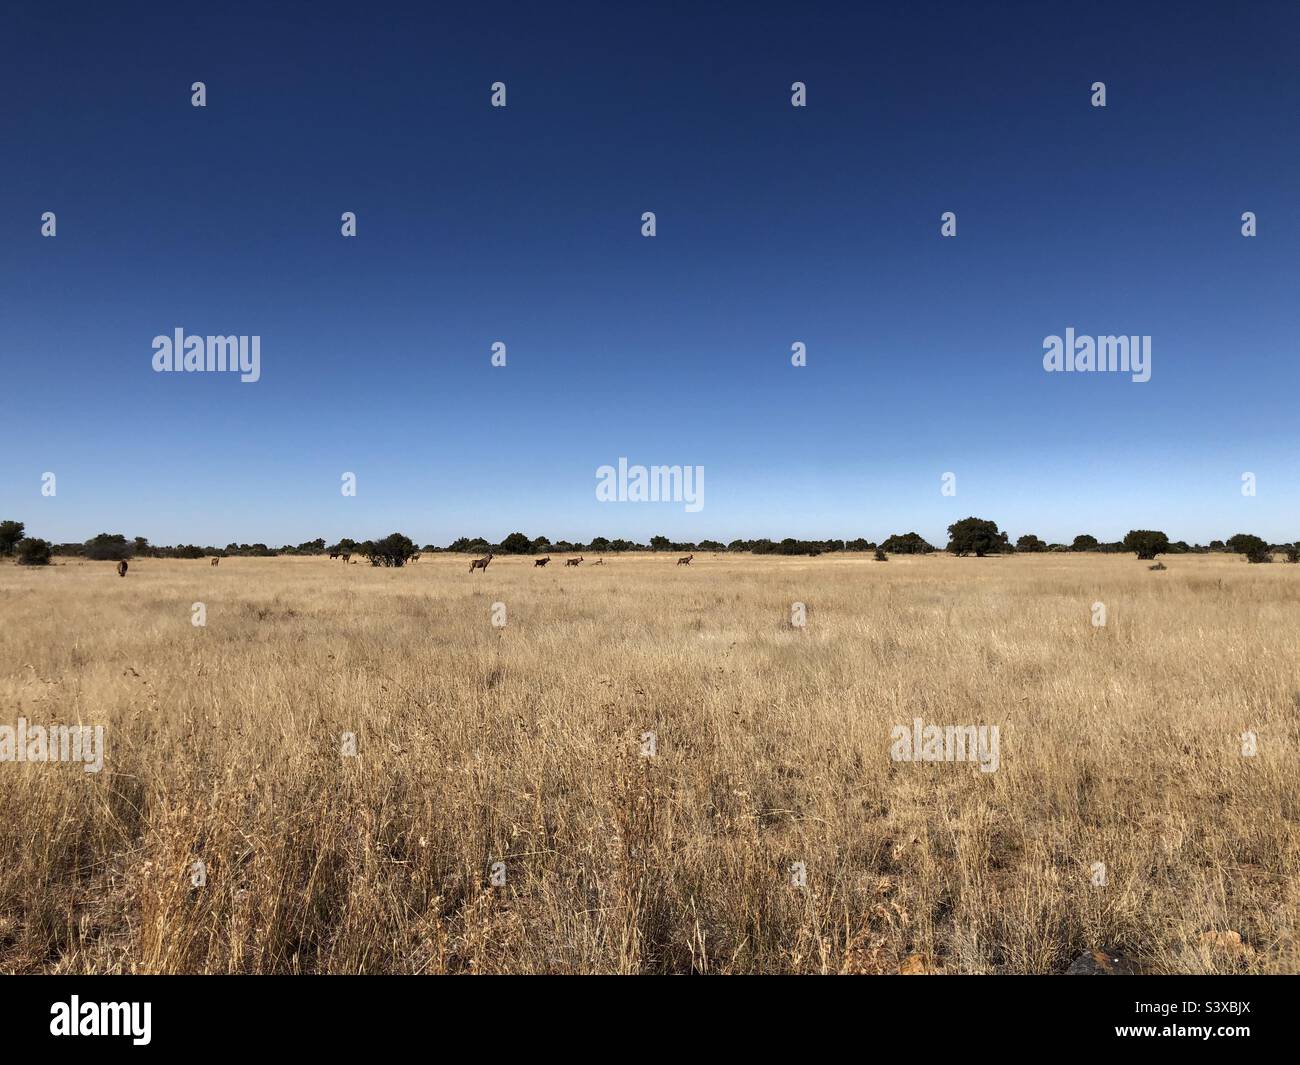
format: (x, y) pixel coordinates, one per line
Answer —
(347, 558)
(121, 568)
(334, 554)
(480, 563)
(685, 560)
(217, 561)
(599, 562)
(542, 561)
(573, 561)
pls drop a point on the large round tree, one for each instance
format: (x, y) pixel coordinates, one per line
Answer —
(975, 536)
(1146, 542)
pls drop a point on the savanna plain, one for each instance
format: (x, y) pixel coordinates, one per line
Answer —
(423, 770)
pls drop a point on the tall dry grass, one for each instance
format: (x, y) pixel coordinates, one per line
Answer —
(521, 745)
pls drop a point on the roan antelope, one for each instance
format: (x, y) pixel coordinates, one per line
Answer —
(334, 554)
(599, 562)
(542, 561)
(480, 563)
(347, 558)
(685, 560)
(121, 568)
(572, 561)
(217, 560)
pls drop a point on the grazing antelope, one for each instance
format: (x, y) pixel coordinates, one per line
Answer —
(572, 561)
(334, 554)
(480, 563)
(599, 562)
(217, 561)
(121, 568)
(685, 560)
(542, 561)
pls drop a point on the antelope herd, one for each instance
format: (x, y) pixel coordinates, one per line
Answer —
(475, 564)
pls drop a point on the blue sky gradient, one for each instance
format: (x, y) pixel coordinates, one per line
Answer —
(775, 224)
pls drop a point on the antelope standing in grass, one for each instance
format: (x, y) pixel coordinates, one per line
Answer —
(217, 561)
(480, 563)
(573, 561)
(347, 558)
(542, 561)
(685, 560)
(334, 554)
(599, 562)
(121, 568)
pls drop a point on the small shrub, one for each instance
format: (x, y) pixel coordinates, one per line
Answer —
(881, 556)
(33, 552)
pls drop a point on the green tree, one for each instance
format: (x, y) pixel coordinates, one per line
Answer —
(907, 544)
(1146, 542)
(1084, 542)
(660, 543)
(977, 536)
(1255, 549)
(1030, 542)
(516, 544)
(108, 547)
(10, 533)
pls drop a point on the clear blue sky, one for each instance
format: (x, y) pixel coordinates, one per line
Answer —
(775, 225)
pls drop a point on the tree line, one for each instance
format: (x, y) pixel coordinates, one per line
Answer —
(970, 536)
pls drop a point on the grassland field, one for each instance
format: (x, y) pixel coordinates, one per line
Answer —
(506, 811)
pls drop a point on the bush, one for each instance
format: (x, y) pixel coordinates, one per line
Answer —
(393, 550)
(1084, 542)
(881, 556)
(1030, 542)
(33, 552)
(1292, 552)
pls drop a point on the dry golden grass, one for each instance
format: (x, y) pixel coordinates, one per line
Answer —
(521, 745)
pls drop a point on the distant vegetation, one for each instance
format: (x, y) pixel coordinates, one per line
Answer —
(969, 536)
